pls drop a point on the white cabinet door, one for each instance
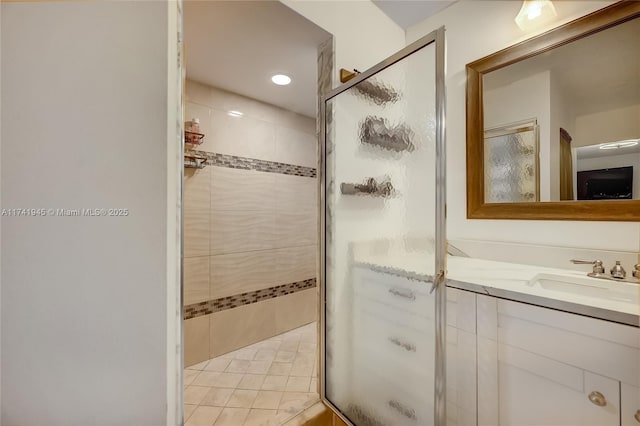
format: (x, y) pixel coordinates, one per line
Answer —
(528, 399)
(543, 366)
(630, 405)
(461, 358)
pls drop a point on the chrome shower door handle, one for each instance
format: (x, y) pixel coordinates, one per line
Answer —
(437, 280)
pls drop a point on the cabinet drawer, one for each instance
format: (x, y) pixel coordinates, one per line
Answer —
(415, 387)
(397, 404)
(403, 294)
(393, 342)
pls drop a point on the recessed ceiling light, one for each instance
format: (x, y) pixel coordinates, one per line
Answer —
(234, 113)
(621, 144)
(281, 79)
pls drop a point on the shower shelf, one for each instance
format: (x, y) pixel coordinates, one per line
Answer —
(370, 88)
(193, 138)
(376, 131)
(194, 162)
(377, 92)
(371, 187)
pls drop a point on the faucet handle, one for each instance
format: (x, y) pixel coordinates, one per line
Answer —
(598, 266)
(618, 271)
(636, 270)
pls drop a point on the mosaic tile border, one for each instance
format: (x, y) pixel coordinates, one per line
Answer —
(246, 163)
(216, 305)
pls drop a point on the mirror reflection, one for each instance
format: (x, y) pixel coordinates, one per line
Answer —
(565, 125)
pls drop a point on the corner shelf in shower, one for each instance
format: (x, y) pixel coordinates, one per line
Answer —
(194, 162)
(193, 138)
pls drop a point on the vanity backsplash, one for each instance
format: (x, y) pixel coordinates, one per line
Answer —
(548, 256)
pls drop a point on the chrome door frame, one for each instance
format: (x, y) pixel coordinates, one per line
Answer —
(437, 37)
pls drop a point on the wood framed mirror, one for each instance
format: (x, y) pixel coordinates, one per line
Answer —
(547, 116)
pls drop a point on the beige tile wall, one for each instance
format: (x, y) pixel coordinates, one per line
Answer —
(246, 230)
(196, 331)
(196, 278)
(229, 330)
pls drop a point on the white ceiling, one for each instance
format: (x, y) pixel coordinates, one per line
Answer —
(407, 13)
(595, 73)
(239, 45)
(594, 151)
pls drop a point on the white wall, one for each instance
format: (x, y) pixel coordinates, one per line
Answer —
(539, 96)
(562, 116)
(521, 100)
(607, 126)
(525, 99)
(474, 30)
(363, 34)
(84, 299)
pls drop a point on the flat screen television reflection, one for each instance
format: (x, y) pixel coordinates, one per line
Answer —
(606, 184)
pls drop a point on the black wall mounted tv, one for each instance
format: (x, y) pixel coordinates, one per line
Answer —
(606, 184)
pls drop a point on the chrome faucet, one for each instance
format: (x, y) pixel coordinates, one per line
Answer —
(598, 266)
(617, 273)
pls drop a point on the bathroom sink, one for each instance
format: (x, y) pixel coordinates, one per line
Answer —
(590, 287)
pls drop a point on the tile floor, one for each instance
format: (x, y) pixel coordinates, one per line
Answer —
(263, 384)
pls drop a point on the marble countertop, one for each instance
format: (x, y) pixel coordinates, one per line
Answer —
(516, 282)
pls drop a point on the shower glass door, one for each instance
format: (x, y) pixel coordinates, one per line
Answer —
(382, 257)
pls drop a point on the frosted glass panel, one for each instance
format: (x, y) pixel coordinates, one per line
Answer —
(510, 167)
(379, 245)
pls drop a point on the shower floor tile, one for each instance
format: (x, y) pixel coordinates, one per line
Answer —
(266, 383)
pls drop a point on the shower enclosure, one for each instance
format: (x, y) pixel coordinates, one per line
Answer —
(382, 257)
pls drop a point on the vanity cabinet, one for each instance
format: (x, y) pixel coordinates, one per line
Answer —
(508, 363)
(548, 367)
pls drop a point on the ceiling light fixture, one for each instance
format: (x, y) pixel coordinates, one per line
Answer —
(535, 12)
(622, 144)
(281, 79)
(234, 113)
